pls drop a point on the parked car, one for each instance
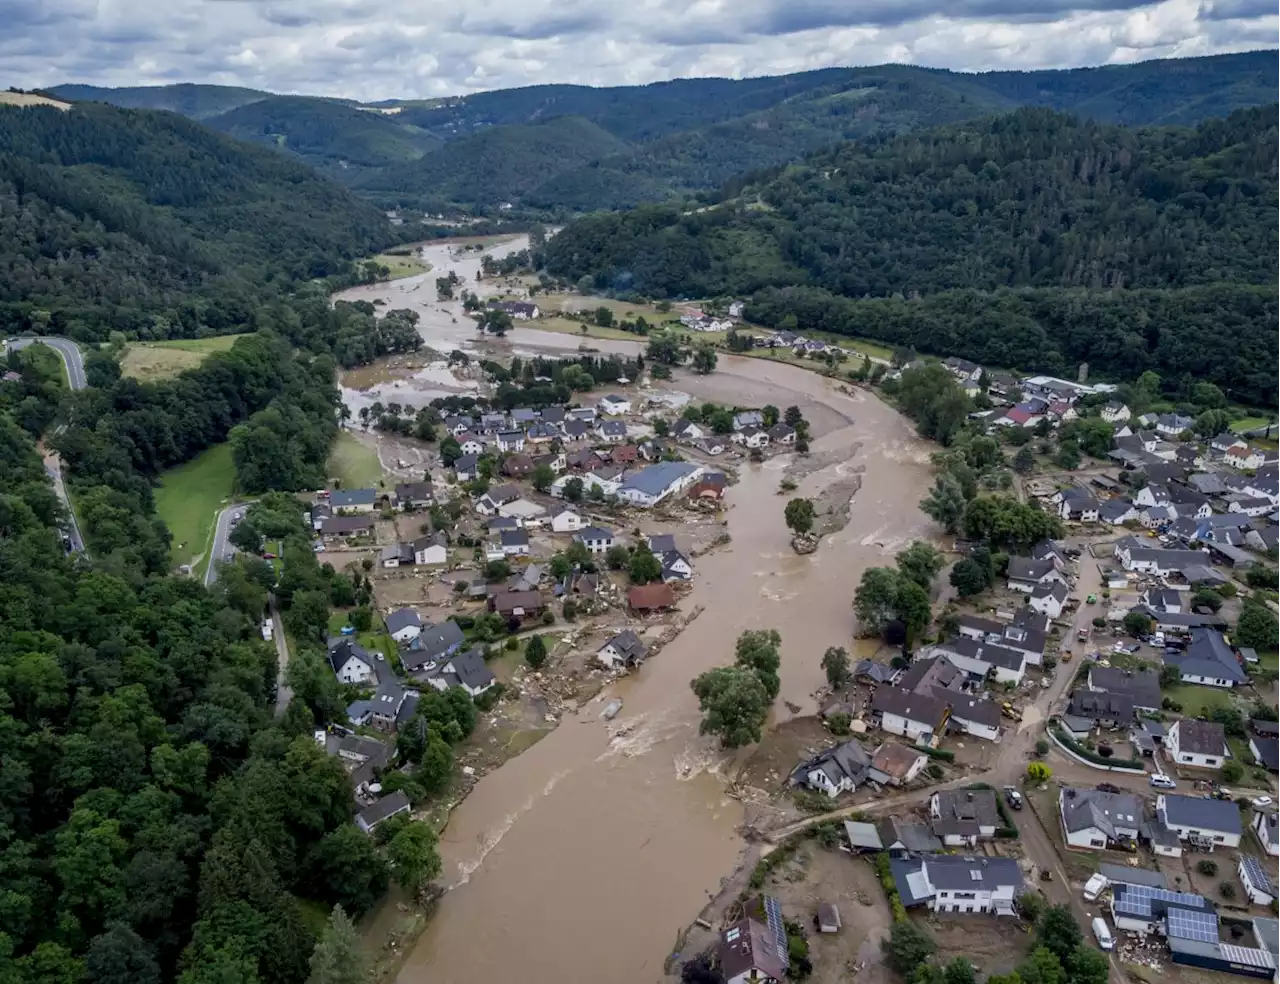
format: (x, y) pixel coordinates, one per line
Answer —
(1161, 781)
(1013, 797)
(1261, 801)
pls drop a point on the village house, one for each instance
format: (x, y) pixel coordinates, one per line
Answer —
(319, 512)
(1173, 424)
(1077, 505)
(353, 500)
(341, 527)
(675, 566)
(567, 520)
(414, 495)
(541, 432)
(651, 598)
(973, 716)
(750, 953)
(515, 543)
(351, 662)
(919, 717)
(981, 659)
(1208, 661)
(834, 771)
(955, 883)
(597, 539)
(1025, 574)
(517, 466)
(962, 817)
(711, 445)
(1245, 459)
(512, 440)
(491, 423)
(432, 644)
(752, 437)
(403, 625)
(517, 604)
(1265, 829)
(963, 369)
(466, 670)
(456, 425)
(381, 810)
(901, 838)
(555, 460)
(470, 444)
(380, 711)
(686, 430)
(1049, 598)
(1117, 512)
(747, 418)
(1099, 820)
(624, 649)
(517, 310)
(614, 405)
(1205, 823)
(653, 484)
(611, 431)
(523, 511)
(466, 467)
(624, 454)
(1257, 881)
(894, 764)
(1103, 710)
(396, 555)
(1266, 752)
(492, 501)
(1115, 412)
(1202, 744)
(781, 433)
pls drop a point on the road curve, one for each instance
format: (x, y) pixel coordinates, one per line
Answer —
(73, 360)
(221, 545)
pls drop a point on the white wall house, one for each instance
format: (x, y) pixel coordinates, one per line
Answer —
(1048, 599)
(567, 521)
(1206, 823)
(597, 539)
(1201, 744)
(1097, 820)
(949, 883)
(354, 669)
(614, 405)
(982, 659)
(430, 550)
(1265, 829)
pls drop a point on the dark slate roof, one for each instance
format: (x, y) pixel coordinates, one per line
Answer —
(963, 811)
(628, 645)
(1097, 704)
(993, 655)
(1268, 752)
(1208, 656)
(471, 669)
(1258, 874)
(1085, 808)
(514, 538)
(389, 805)
(1026, 569)
(924, 674)
(913, 707)
(1142, 686)
(402, 618)
(950, 872)
(967, 708)
(431, 644)
(879, 672)
(1265, 727)
(660, 543)
(1134, 876)
(1201, 737)
(914, 837)
(1205, 814)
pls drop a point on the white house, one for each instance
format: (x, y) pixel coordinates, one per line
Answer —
(1025, 574)
(597, 539)
(915, 716)
(1265, 829)
(1202, 744)
(975, 716)
(752, 437)
(952, 883)
(687, 430)
(1246, 458)
(497, 497)
(1076, 505)
(1098, 820)
(962, 817)
(981, 658)
(651, 485)
(1115, 412)
(614, 405)
(523, 511)
(433, 549)
(351, 662)
(353, 500)
(1048, 599)
(466, 670)
(514, 543)
(1257, 881)
(511, 440)
(675, 566)
(1206, 823)
(1173, 424)
(470, 444)
(894, 764)
(403, 624)
(835, 771)
(624, 649)
(567, 521)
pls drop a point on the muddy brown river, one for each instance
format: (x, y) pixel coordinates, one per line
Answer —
(582, 858)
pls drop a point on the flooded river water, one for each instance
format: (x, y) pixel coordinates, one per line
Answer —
(582, 858)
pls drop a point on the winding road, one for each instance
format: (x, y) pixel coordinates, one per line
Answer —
(73, 361)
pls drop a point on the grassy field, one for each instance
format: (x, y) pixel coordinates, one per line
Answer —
(564, 326)
(375, 640)
(1196, 700)
(188, 501)
(28, 99)
(149, 361)
(1248, 423)
(402, 266)
(353, 464)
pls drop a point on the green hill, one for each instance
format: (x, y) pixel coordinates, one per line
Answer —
(195, 101)
(1032, 201)
(142, 221)
(329, 135)
(497, 165)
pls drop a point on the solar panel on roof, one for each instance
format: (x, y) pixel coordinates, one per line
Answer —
(1192, 924)
(1140, 900)
(773, 916)
(1256, 872)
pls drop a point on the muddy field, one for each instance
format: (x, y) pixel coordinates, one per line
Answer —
(734, 390)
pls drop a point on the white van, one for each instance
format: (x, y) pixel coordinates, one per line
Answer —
(1105, 940)
(1094, 887)
(1161, 781)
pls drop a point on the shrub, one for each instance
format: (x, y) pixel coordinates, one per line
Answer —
(934, 770)
(1042, 747)
(548, 617)
(1099, 622)
(488, 700)
(1106, 751)
(1207, 867)
(1232, 771)
(1227, 890)
(838, 723)
(936, 753)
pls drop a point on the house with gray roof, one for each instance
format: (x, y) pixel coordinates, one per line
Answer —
(1208, 661)
(1142, 687)
(1200, 744)
(653, 484)
(403, 624)
(466, 670)
(1205, 823)
(834, 771)
(383, 809)
(353, 500)
(1103, 709)
(1256, 879)
(962, 817)
(624, 649)
(432, 644)
(901, 837)
(948, 883)
(982, 659)
(1099, 820)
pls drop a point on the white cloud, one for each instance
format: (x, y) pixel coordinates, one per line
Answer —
(368, 49)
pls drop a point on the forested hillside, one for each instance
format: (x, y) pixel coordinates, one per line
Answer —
(146, 222)
(341, 140)
(497, 165)
(195, 101)
(1029, 200)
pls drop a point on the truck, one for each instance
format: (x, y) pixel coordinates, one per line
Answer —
(1082, 635)
(1009, 711)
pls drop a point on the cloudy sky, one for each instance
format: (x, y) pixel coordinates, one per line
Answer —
(372, 49)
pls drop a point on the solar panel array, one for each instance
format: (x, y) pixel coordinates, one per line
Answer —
(1139, 900)
(1256, 872)
(773, 916)
(1192, 924)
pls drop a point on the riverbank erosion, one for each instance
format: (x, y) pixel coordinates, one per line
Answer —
(586, 854)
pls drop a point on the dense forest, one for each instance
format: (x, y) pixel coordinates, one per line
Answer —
(622, 146)
(150, 224)
(340, 140)
(197, 102)
(1128, 249)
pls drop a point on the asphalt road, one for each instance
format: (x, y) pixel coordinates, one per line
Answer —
(73, 360)
(222, 548)
(283, 693)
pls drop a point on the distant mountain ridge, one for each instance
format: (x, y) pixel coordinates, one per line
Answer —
(678, 138)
